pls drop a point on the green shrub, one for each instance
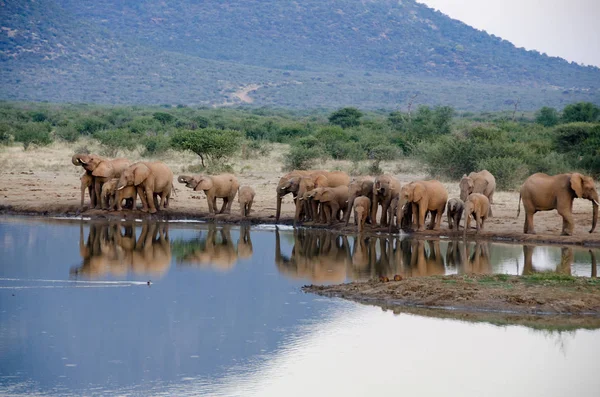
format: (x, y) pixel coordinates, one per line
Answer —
(549, 163)
(546, 116)
(5, 134)
(253, 149)
(144, 125)
(213, 144)
(509, 172)
(346, 117)
(33, 133)
(67, 133)
(155, 144)
(90, 125)
(164, 118)
(115, 140)
(581, 138)
(582, 112)
(301, 157)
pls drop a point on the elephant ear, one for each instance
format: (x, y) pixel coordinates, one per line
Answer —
(205, 183)
(576, 184)
(103, 170)
(321, 181)
(418, 192)
(140, 173)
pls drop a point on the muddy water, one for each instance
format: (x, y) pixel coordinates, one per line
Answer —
(223, 315)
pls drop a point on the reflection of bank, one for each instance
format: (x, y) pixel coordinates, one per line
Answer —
(114, 249)
(214, 248)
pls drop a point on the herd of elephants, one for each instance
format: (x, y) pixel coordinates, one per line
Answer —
(318, 255)
(330, 196)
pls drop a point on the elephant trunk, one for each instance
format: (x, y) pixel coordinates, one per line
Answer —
(595, 216)
(279, 198)
(350, 204)
(76, 160)
(183, 178)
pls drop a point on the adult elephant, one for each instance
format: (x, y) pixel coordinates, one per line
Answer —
(150, 179)
(332, 201)
(385, 188)
(356, 188)
(290, 183)
(424, 196)
(102, 170)
(478, 182)
(541, 192)
(224, 186)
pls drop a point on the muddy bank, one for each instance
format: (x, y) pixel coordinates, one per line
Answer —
(478, 296)
(263, 218)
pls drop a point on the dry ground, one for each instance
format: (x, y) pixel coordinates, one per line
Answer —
(43, 181)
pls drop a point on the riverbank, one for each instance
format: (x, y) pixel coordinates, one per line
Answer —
(481, 296)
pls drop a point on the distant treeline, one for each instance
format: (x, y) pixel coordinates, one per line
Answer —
(511, 145)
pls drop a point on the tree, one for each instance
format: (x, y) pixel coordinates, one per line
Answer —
(210, 143)
(582, 111)
(546, 116)
(164, 118)
(33, 133)
(346, 117)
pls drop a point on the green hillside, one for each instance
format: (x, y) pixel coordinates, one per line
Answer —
(329, 53)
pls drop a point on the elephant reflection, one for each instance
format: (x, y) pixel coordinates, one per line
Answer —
(214, 248)
(564, 267)
(454, 255)
(424, 262)
(479, 261)
(317, 255)
(113, 249)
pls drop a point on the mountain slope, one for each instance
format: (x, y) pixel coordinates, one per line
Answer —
(309, 53)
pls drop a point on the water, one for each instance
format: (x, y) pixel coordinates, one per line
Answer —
(224, 316)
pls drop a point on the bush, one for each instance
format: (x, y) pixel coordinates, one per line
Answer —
(33, 133)
(5, 134)
(253, 149)
(546, 116)
(509, 172)
(115, 140)
(582, 111)
(301, 158)
(164, 118)
(549, 163)
(67, 133)
(579, 138)
(346, 117)
(155, 144)
(144, 125)
(90, 125)
(213, 144)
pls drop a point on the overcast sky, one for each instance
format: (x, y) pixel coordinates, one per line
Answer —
(568, 29)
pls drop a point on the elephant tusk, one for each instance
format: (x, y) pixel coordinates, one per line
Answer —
(595, 202)
(121, 188)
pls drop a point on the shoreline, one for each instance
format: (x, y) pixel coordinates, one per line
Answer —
(74, 211)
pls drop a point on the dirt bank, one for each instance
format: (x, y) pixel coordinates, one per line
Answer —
(478, 295)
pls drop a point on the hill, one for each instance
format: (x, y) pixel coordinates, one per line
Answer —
(326, 53)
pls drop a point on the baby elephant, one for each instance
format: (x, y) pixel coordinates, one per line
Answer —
(477, 206)
(455, 210)
(245, 198)
(111, 198)
(362, 207)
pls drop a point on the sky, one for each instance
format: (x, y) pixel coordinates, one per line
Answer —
(567, 29)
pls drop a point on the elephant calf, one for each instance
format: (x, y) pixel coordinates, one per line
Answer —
(478, 207)
(454, 211)
(362, 208)
(111, 198)
(245, 198)
(223, 186)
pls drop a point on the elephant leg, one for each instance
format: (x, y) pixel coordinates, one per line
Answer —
(477, 221)
(151, 200)
(224, 205)
(567, 228)
(433, 220)
(230, 201)
(249, 208)
(298, 212)
(384, 213)
(528, 226)
(346, 216)
(374, 210)
(450, 220)
(279, 198)
(143, 198)
(335, 208)
(98, 194)
(422, 213)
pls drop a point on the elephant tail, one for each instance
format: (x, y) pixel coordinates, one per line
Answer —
(173, 189)
(519, 206)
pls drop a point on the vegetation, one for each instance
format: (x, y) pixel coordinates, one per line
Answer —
(370, 55)
(447, 143)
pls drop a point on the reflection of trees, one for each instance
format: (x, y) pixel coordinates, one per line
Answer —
(112, 248)
(317, 255)
(214, 248)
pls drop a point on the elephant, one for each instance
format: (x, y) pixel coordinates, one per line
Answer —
(150, 179)
(385, 188)
(356, 188)
(478, 182)
(405, 222)
(332, 200)
(303, 206)
(110, 251)
(424, 196)
(541, 192)
(87, 182)
(425, 262)
(102, 170)
(111, 198)
(223, 186)
(362, 206)
(289, 183)
(477, 206)
(454, 255)
(454, 211)
(246, 198)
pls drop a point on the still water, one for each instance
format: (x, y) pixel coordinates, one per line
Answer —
(224, 316)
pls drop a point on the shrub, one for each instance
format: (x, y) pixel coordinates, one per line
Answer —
(582, 111)
(115, 140)
(580, 138)
(301, 158)
(33, 133)
(164, 118)
(213, 144)
(144, 125)
(67, 133)
(346, 117)
(5, 134)
(155, 144)
(90, 125)
(546, 116)
(253, 149)
(509, 172)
